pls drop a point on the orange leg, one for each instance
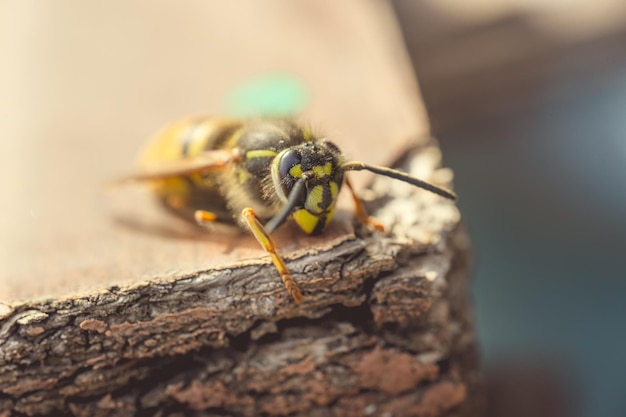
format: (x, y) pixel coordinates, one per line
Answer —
(204, 218)
(266, 242)
(360, 211)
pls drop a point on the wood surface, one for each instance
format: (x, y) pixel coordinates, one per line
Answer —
(85, 85)
(109, 306)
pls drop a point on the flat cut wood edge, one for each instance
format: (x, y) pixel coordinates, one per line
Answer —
(384, 329)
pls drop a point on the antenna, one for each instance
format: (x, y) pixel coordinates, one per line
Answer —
(398, 175)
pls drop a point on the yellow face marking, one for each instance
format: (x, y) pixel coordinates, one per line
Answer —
(322, 171)
(314, 199)
(305, 220)
(296, 171)
(260, 153)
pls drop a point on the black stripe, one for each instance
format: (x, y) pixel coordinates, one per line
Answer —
(326, 196)
(321, 224)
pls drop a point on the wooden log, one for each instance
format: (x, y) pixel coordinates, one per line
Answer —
(120, 310)
(384, 328)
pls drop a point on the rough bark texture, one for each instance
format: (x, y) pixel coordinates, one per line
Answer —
(384, 330)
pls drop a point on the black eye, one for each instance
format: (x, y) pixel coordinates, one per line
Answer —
(289, 169)
(290, 159)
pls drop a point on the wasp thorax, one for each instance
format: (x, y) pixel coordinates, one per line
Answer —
(317, 164)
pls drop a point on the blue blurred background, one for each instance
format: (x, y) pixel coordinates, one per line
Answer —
(529, 103)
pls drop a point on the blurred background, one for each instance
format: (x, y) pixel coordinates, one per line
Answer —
(528, 99)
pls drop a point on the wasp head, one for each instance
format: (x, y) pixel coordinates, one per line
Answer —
(317, 165)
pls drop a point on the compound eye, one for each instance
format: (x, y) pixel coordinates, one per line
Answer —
(292, 158)
(289, 169)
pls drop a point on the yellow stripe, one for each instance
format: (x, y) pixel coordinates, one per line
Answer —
(234, 137)
(198, 134)
(260, 153)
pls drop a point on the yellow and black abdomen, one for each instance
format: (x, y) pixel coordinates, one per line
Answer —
(182, 141)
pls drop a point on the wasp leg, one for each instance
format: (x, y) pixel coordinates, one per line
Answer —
(204, 218)
(267, 243)
(361, 213)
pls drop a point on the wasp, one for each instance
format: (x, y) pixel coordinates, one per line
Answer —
(257, 173)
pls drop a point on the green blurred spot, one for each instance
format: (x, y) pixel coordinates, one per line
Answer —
(275, 94)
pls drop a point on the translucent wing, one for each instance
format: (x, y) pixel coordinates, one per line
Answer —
(204, 162)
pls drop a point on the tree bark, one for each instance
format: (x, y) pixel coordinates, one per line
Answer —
(384, 330)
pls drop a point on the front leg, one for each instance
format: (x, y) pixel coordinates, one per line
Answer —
(266, 242)
(360, 212)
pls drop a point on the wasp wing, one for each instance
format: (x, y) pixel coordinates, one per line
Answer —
(204, 162)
